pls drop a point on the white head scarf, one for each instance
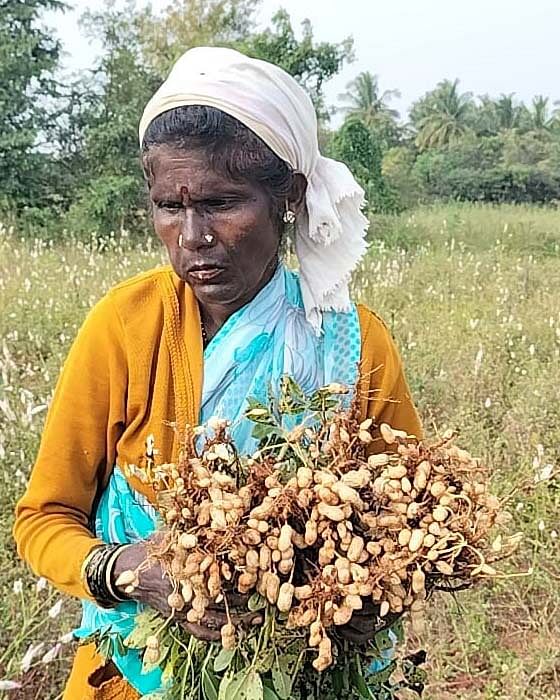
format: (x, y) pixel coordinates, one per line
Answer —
(330, 231)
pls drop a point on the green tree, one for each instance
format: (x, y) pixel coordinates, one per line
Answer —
(509, 167)
(540, 117)
(309, 62)
(496, 115)
(442, 116)
(29, 56)
(354, 145)
(138, 48)
(555, 128)
(109, 192)
(509, 113)
(399, 174)
(525, 148)
(165, 36)
(365, 100)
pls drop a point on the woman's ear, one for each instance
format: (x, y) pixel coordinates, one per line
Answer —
(296, 198)
(146, 165)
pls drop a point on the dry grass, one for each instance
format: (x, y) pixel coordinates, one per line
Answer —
(471, 295)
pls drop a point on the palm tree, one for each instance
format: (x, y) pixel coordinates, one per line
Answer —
(494, 116)
(541, 119)
(365, 100)
(508, 113)
(556, 117)
(445, 116)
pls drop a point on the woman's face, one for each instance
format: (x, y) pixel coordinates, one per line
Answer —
(230, 243)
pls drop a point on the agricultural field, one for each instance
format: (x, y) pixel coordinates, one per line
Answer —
(472, 296)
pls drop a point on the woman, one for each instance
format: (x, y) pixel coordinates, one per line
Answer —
(230, 154)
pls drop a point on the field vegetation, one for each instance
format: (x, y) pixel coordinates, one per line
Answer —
(470, 293)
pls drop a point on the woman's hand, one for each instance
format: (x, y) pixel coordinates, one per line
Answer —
(364, 624)
(154, 589)
(215, 618)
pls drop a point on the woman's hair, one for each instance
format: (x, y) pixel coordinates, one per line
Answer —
(232, 148)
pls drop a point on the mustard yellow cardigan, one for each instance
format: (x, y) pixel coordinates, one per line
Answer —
(137, 363)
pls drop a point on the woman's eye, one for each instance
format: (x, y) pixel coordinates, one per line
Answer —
(170, 206)
(208, 205)
(220, 203)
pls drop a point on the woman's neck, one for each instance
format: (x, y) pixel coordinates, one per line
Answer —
(214, 315)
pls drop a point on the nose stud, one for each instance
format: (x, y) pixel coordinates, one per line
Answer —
(208, 237)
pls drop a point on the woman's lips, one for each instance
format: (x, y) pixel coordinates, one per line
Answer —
(205, 274)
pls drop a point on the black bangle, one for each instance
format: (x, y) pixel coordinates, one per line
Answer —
(96, 575)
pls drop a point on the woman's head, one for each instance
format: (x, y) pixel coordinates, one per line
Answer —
(279, 120)
(218, 197)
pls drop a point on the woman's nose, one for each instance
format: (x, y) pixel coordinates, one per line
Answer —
(192, 230)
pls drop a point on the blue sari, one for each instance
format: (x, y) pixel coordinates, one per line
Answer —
(263, 341)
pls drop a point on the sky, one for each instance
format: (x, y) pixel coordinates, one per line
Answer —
(492, 46)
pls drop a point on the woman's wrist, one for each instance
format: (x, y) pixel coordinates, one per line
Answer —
(97, 576)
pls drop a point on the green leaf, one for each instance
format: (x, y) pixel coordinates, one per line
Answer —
(146, 624)
(264, 430)
(382, 676)
(264, 660)
(252, 402)
(223, 660)
(256, 602)
(119, 645)
(269, 694)
(398, 630)
(209, 684)
(105, 647)
(236, 689)
(383, 640)
(245, 685)
(291, 661)
(223, 689)
(282, 681)
(338, 681)
(359, 683)
(168, 671)
(414, 676)
(254, 690)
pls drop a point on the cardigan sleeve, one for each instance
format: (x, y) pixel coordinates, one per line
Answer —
(77, 451)
(384, 391)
